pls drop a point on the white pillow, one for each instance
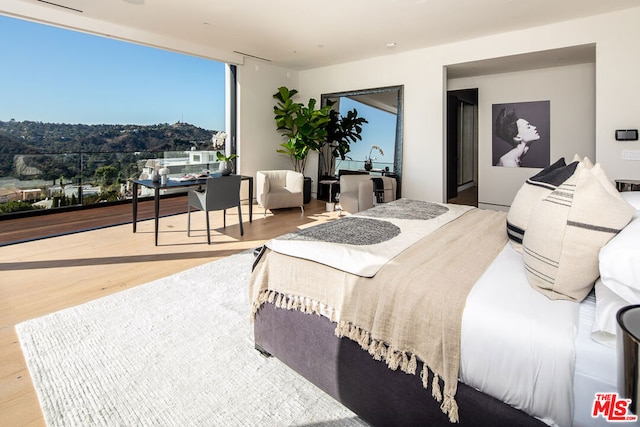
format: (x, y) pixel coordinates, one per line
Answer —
(633, 197)
(608, 303)
(620, 263)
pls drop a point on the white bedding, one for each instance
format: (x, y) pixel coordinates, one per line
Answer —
(525, 328)
(595, 371)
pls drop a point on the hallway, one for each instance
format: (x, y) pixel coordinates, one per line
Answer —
(466, 197)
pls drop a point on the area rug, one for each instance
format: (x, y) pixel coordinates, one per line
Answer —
(174, 352)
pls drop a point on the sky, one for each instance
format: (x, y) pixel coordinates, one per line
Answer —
(49, 74)
(380, 130)
(54, 75)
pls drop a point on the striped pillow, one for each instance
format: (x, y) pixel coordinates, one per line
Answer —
(566, 231)
(532, 191)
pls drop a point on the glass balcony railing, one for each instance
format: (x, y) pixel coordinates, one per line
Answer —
(50, 181)
(359, 165)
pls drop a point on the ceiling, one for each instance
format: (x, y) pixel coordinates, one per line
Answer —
(301, 34)
(385, 99)
(529, 61)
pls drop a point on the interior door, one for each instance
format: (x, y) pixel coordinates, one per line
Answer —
(466, 147)
(462, 141)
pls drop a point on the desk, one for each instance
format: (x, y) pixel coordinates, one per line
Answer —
(157, 186)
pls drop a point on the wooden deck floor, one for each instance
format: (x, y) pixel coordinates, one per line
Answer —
(17, 230)
(46, 275)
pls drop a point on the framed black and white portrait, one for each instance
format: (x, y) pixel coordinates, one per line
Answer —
(521, 134)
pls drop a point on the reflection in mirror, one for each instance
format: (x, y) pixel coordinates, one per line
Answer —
(380, 150)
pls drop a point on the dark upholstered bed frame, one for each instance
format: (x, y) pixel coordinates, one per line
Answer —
(380, 396)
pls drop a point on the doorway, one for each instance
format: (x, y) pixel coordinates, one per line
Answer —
(462, 147)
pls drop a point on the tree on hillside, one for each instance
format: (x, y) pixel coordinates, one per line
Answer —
(106, 176)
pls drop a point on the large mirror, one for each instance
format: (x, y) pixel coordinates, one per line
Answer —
(380, 150)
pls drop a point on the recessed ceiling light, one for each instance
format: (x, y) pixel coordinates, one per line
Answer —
(392, 44)
(135, 1)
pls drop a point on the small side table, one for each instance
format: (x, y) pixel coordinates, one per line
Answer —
(330, 183)
(628, 342)
(628, 185)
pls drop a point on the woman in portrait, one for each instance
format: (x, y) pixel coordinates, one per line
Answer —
(518, 133)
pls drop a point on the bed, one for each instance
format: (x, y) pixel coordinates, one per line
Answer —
(420, 313)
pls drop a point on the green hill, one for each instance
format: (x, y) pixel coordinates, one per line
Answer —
(59, 138)
(50, 150)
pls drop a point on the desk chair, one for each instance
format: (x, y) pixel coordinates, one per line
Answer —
(220, 194)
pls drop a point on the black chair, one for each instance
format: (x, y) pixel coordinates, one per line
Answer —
(220, 194)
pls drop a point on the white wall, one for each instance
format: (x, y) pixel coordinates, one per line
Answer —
(571, 92)
(423, 76)
(258, 139)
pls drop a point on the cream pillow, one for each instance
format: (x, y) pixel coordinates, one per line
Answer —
(585, 161)
(566, 231)
(532, 191)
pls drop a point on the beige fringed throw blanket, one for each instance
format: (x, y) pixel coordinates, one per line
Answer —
(363, 243)
(410, 310)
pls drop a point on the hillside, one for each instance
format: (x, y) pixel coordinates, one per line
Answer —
(55, 138)
(10, 145)
(50, 150)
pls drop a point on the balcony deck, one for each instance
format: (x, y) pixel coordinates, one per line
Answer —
(46, 275)
(23, 229)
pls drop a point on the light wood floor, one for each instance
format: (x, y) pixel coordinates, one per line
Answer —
(44, 276)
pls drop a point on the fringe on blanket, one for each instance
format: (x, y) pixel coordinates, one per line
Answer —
(379, 350)
(397, 359)
(292, 302)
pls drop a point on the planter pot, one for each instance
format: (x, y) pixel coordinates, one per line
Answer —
(306, 190)
(225, 168)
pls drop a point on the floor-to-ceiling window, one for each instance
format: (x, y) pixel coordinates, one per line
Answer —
(81, 115)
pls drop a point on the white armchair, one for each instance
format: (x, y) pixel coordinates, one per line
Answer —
(356, 192)
(279, 189)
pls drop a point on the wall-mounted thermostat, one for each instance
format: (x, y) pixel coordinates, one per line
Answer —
(626, 134)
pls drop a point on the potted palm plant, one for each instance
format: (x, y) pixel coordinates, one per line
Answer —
(304, 128)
